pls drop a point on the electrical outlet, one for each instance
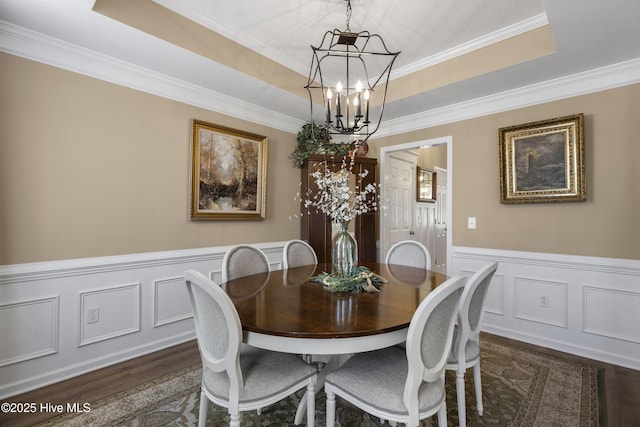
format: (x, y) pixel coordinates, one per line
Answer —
(544, 301)
(93, 315)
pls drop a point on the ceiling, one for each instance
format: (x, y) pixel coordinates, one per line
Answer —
(257, 52)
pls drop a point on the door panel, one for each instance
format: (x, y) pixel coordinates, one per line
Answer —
(440, 252)
(424, 226)
(399, 185)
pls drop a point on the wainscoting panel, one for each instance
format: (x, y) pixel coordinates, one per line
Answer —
(171, 301)
(586, 306)
(216, 276)
(28, 329)
(109, 313)
(612, 313)
(539, 300)
(494, 302)
(50, 329)
(593, 307)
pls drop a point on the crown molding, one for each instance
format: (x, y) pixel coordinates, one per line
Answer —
(473, 45)
(35, 46)
(182, 8)
(38, 47)
(599, 79)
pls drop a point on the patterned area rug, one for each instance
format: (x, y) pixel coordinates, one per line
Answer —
(520, 388)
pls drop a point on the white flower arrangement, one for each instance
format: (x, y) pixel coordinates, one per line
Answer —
(336, 198)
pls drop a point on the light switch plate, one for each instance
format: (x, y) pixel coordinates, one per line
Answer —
(471, 223)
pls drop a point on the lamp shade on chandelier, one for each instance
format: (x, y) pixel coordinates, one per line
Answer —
(348, 82)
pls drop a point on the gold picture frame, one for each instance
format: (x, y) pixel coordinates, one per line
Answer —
(425, 185)
(228, 173)
(543, 161)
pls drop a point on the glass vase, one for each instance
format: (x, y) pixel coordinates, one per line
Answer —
(345, 252)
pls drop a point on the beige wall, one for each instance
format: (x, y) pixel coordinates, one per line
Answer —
(89, 168)
(605, 225)
(430, 157)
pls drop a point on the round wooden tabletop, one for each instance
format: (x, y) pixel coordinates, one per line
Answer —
(285, 303)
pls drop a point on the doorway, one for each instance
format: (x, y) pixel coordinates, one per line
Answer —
(388, 170)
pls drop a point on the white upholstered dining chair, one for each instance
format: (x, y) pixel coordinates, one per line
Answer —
(243, 260)
(234, 375)
(297, 253)
(410, 253)
(465, 350)
(403, 385)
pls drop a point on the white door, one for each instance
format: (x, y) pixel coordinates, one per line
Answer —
(385, 217)
(439, 260)
(399, 192)
(424, 225)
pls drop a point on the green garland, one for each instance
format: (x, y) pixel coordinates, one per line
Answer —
(364, 280)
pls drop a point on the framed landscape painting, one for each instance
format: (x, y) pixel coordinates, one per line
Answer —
(228, 173)
(543, 161)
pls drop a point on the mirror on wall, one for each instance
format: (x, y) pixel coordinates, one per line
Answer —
(425, 185)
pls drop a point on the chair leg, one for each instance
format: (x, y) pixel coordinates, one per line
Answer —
(462, 413)
(311, 404)
(478, 383)
(235, 420)
(442, 415)
(202, 415)
(331, 408)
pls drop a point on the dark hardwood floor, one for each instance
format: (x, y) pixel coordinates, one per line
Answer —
(622, 385)
(104, 382)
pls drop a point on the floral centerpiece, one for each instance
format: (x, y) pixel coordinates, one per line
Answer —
(335, 197)
(363, 280)
(342, 202)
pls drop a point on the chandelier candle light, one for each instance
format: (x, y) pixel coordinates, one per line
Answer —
(347, 69)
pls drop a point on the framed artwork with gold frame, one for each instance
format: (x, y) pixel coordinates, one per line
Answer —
(228, 173)
(543, 161)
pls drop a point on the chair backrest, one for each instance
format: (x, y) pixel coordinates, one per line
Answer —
(471, 308)
(297, 253)
(409, 253)
(429, 339)
(243, 260)
(218, 329)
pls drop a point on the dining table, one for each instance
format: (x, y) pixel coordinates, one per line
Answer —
(288, 311)
(285, 310)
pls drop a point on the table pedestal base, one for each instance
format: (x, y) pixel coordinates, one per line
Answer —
(332, 363)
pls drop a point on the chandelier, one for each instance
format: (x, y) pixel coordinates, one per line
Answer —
(348, 77)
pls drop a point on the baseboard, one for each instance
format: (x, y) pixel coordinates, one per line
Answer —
(541, 341)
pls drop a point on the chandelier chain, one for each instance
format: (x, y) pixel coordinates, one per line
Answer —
(348, 13)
